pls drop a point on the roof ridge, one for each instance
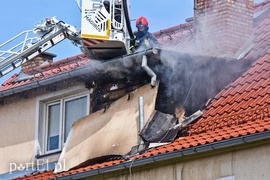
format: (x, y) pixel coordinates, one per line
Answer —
(260, 4)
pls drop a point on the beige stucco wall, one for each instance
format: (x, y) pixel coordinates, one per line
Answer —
(245, 164)
(253, 163)
(18, 118)
(17, 134)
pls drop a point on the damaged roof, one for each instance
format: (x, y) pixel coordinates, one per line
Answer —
(238, 114)
(78, 66)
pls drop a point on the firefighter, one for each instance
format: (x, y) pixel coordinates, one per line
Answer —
(142, 38)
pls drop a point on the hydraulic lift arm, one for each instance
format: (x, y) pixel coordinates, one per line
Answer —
(46, 34)
(105, 34)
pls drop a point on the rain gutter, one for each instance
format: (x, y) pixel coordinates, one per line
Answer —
(73, 73)
(170, 155)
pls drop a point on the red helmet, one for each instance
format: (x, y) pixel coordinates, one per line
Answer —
(141, 21)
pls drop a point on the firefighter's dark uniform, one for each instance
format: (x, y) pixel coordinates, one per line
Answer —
(142, 41)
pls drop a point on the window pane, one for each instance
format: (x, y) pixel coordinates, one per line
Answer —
(74, 109)
(53, 126)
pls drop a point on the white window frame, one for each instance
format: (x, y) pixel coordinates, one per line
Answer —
(62, 103)
(42, 102)
(46, 126)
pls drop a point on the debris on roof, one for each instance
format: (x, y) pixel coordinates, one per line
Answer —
(159, 128)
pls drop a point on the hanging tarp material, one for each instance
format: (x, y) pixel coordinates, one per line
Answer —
(107, 133)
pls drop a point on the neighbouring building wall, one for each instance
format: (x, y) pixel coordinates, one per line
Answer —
(251, 163)
(17, 135)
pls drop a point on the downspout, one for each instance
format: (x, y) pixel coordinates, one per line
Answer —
(141, 116)
(149, 71)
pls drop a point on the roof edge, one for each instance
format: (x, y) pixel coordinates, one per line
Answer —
(69, 74)
(170, 155)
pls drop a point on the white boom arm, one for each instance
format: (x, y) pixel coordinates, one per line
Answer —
(105, 34)
(46, 34)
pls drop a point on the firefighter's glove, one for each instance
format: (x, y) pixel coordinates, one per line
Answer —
(147, 43)
(137, 42)
(132, 49)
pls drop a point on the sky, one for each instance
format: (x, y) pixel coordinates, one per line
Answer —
(20, 15)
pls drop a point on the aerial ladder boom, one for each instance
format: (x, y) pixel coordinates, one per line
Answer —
(105, 34)
(46, 34)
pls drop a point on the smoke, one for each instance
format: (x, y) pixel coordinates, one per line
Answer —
(127, 68)
(110, 69)
(205, 64)
(190, 80)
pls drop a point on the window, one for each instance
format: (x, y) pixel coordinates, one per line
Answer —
(60, 116)
(56, 115)
(53, 112)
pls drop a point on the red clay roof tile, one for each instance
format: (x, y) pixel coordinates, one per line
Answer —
(48, 70)
(262, 5)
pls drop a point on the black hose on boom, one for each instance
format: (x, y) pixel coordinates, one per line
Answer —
(126, 13)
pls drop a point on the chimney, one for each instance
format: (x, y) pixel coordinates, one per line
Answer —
(42, 58)
(222, 26)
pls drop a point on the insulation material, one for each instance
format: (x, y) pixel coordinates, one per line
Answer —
(113, 132)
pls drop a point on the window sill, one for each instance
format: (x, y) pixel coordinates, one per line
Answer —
(48, 154)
